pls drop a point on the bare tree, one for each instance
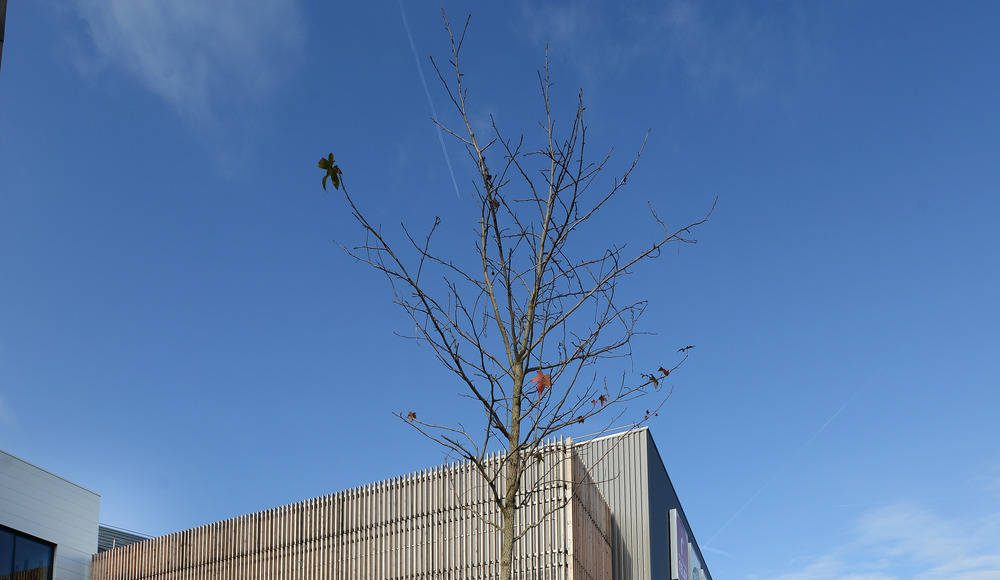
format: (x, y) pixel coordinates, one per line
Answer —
(525, 321)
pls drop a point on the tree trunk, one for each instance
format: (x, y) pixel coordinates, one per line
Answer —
(509, 514)
(512, 482)
(507, 544)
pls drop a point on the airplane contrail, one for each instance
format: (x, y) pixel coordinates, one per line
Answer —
(778, 471)
(430, 102)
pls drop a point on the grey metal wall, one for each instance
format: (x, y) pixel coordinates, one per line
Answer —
(631, 476)
(109, 537)
(619, 466)
(39, 503)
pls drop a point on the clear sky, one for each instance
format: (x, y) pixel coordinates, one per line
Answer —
(179, 331)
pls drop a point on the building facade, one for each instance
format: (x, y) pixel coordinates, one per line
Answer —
(438, 523)
(604, 509)
(48, 525)
(630, 474)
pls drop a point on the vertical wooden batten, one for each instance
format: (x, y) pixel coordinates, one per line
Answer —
(436, 523)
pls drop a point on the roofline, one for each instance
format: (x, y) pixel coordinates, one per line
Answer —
(126, 530)
(652, 445)
(592, 438)
(622, 431)
(56, 475)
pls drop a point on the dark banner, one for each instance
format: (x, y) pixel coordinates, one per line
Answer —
(3, 23)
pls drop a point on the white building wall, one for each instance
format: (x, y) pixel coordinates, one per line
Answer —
(45, 505)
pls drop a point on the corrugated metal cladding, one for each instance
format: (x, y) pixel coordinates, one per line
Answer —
(49, 507)
(433, 524)
(630, 474)
(108, 537)
(619, 466)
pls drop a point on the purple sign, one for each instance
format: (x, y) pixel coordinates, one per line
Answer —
(679, 563)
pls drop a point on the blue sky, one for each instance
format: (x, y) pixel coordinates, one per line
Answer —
(179, 331)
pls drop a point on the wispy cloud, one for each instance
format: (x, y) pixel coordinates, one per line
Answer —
(559, 23)
(907, 541)
(198, 55)
(711, 550)
(778, 472)
(6, 415)
(994, 479)
(739, 48)
(829, 568)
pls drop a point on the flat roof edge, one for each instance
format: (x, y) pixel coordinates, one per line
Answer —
(618, 433)
(56, 475)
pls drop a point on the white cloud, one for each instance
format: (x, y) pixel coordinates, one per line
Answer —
(558, 23)
(829, 568)
(198, 55)
(906, 541)
(739, 48)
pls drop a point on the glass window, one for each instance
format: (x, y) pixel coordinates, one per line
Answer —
(6, 554)
(33, 559)
(23, 557)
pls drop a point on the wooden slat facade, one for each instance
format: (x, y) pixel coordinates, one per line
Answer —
(434, 524)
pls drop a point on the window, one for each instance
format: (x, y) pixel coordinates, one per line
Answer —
(6, 553)
(23, 557)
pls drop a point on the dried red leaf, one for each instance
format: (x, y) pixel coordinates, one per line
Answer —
(541, 381)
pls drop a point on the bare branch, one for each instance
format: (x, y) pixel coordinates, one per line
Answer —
(535, 300)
